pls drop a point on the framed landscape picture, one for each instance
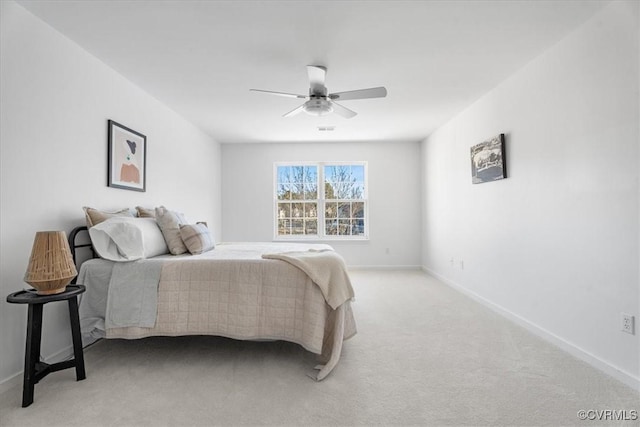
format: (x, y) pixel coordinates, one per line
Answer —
(488, 161)
(127, 165)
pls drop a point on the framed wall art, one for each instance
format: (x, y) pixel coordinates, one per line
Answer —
(488, 161)
(127, 165)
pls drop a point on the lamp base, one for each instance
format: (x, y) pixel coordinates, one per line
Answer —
(51, 291)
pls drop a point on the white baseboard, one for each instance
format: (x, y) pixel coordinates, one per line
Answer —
(384, 267)
(619, 374)
(15, 380)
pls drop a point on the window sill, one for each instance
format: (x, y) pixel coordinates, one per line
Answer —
(299, 239)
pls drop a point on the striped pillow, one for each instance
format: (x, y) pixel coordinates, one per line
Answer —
(197, 238)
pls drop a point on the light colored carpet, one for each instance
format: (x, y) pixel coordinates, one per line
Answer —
(424, 355)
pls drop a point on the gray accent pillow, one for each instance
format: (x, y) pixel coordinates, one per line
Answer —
(169, 223)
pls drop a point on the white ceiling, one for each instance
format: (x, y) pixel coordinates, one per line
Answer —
(201, 57)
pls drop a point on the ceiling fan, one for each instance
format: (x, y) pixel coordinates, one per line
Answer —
(319, 102)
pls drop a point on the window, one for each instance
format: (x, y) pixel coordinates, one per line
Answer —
(321, 200)
(297, 200)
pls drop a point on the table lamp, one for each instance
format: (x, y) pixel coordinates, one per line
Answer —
(51, 267)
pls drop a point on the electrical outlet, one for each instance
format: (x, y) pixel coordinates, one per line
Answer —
(627, 323)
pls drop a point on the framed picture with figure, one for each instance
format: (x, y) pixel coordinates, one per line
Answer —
(127, 164)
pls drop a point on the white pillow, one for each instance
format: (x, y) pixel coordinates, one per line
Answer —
(128, 239)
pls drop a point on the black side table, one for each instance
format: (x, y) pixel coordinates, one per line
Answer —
(34, 370)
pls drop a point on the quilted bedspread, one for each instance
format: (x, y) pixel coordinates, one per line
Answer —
(233, 292)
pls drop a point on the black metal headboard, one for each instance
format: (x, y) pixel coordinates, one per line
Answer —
(74, 246)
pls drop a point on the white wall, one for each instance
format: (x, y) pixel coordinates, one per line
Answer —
(394, 195)
(556, 244)
(56, 99)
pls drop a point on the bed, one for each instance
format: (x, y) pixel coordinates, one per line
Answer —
(245, 291)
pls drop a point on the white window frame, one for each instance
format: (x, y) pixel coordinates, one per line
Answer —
(321, 202)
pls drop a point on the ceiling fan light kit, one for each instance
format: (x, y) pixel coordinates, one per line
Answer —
(318, 107)
(318, 103)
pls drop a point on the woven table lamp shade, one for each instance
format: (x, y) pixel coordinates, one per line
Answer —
(51, 265)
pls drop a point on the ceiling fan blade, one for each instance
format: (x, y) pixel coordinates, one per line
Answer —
(374, 92)
(343, 111)
(288, 95)
(295, 111)
(317, 74)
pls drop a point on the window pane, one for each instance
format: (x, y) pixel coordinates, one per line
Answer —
(283, 192)
(284, 210)
(357, 227)
(329, 193)
(357, 190)
(343, 190)
(310, 210)
(341, 183)
(329, 173)
(311, 175)
(344, 227)
(297, 173)
(283, 227)
(311, 226)
(284, 174)
(331, 227)
(297, 226)
(357, 209)
(331, 210)
(344, 210)
(357, 172)
(297, 210)
(297, 191)
(337, 173)
(310, 191)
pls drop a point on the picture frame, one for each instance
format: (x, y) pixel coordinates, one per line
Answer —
(127, 158)
(488, 160)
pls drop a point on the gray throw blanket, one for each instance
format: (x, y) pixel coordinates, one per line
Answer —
(133, 294)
